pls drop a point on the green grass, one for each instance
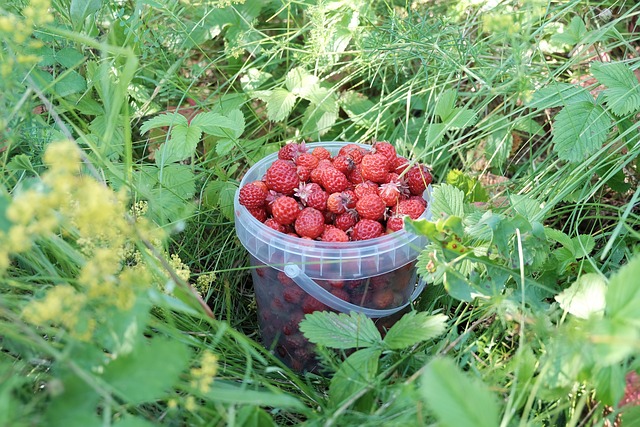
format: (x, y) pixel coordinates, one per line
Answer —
(97, 75)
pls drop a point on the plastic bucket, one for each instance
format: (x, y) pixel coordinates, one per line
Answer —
(294, 276)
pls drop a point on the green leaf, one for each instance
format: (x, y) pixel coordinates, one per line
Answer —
(585, 297)
(461, 118)
(528, 125)
(623, 293)
(68, 57)
(622, 94)
(456, 399)
(132, 421)
(75, 406)
(224, 146)
(558, 95)
(300, 82)
(560, 237)
(499, 145)
(166, 119)
(358, 107)
(71, 83)
(229, 126)
(434, 133)
(414, 327)
(220, 194)
(355, 373)
(340, 330)
(280, 102)
(525, 206)
(583, 244)
(254, 416)
(445, 104)
(253, 79)
(179, 179)
(579, 130)
(610, 385)
(182, 145)
(235, 394)
(572, 34)
(447, 200)
(80, 9)
(149, 372)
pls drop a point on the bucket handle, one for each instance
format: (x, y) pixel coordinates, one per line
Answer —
(327, 298)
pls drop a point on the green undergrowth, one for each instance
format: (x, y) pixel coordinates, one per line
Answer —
(125, 128)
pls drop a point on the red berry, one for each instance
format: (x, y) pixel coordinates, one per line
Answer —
(395, 223)
(293, 294)
(318, 200)
(307, 160)
(386, 149)
(390, 193)
(321, 153)
(290, 151)
(345, 221)
(282, 177)
(413, 208)
(367, 187)
(418, 178)
(333, 234)
(310, 223)
(355, 176)
(304, 173)
(252, 195)
(272, 223)
(371, 206)
(400, 164)
(375, 167)
(285, 210)
(340, 293)
(333, 180)
(343, 163)
(258, 213)
(284, 279)
(383, 299)
(366, 229)
(310, 304)
(353, 151)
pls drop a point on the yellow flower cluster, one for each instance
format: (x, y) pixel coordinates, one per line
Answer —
(202, 377)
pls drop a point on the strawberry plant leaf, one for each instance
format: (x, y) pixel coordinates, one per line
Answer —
(166, 119)
(623, 294)
(301, 83)
(355, 373)
(560, 237)
(525, 206)
(413, 328)
(280, 102)
(80, 9)
(230, 125)
(446, 390)
(224, 146)
(70, 83)
(75, 406)
(447, 201)
(253, 79)
(220, 194)
(461, 118)
(572, 34)
(182, 145)
(579, 130)
(179, 179)
(434, 133)
(585, 297)
(622, 94)
(558, 95)
(528, 125)
(445, 104)
(358, 108)
(232, 393)
(340, 330)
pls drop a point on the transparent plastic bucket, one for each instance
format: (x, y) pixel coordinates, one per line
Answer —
(294, 276)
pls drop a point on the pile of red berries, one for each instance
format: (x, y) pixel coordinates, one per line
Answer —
(358, 194)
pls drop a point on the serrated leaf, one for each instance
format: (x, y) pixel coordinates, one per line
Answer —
(182, 145)
(445, 104)
(434, 133)
(583, 244)
(69, 57)
(560, 237)
(572, 34)
(354, 374)
(80, 9)
(622, 94)
(149, 372)
(414, 327)
(253, 79)
(71, 83)
(525, 205)
(237, 394)
(623, 293)
(461, 118)
(178, 178)
(557, 95)
(340, 330)
(528, 125)
(300, 82)
(447, 200)
(224, 146)
(225, 126)
(579, 130)
(280, 102)
(358, 107)
(166, 119)
(456, 399)
(585, 297)
(498, 146)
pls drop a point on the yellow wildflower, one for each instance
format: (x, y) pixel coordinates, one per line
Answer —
(202, 377)
(182, 270)
(190, 404)
(61, 305)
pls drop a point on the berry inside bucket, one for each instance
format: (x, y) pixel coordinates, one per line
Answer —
(295, 275)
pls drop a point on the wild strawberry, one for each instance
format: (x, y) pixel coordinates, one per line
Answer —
(400, 164)
(345, 221)
(374, 167)
(390, 193)
(282, 177)
(310, 304)
(339, 202)
(420, 199)
(354, 151)
(340, 293)
(343, 163)
(395, 223)
(309, 223)
(412, 208)
(272, 223)
(333, 180)
(321, 153)
(367, 187)
(418, 178)
(305, 189)
(383, 299)
(333, 234)
(355, 176)
(252, 195)
(371, 206)
(262, 185)
(284, 279)
(293, 294)
(366, 229)
(329, 217)
(386, 149)
(290, 151)
(258, 213)
(307, 160)
(285, 210)
(304, 173)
